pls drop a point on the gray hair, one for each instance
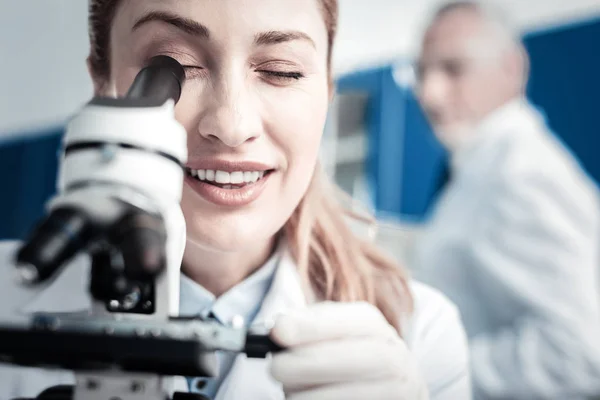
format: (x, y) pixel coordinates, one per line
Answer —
(502, 26)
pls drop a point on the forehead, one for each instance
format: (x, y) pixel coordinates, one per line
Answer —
(456, 33)
(231, 17)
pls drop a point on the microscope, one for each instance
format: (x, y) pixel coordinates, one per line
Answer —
(117, 203)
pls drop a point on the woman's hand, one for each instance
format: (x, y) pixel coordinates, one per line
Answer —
(343, 351)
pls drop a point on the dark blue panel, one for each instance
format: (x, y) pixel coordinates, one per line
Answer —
(370, 83)
(390, 145)
(374, 122)
(29, 168)
(425, 164)
(10, 160)
(565, 84)
(404, 159)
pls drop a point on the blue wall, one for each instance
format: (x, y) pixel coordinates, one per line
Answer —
(405, 163)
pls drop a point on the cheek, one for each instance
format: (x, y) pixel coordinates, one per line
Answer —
(466, 98)
(295, 124)
(477, 92)
(189, 107)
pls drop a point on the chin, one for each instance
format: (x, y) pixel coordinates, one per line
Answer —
(228, 237)
(227, 230)
(452, 136)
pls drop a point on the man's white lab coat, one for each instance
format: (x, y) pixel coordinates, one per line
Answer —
(513, 241)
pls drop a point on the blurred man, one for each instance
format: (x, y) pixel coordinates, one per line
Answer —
(514, 237)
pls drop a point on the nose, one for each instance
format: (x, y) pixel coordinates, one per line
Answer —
(230, 116)
(433, 91)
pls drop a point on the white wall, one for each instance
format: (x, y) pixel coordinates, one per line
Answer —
(43, 46)
(43, 78)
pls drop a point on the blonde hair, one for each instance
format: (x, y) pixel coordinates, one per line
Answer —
(336, 263)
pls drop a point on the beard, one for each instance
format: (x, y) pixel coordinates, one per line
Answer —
(454, 136)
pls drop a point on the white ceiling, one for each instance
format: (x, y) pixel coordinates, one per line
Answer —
(42, 54)
(376, 31)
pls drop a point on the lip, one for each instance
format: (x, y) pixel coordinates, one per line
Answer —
(229, 166)
(228, 197)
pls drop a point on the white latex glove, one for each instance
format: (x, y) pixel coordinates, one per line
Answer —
(343, 351)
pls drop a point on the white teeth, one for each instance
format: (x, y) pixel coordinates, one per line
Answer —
(222, 177)
(210, 175)
(226, 178)
(237, 177)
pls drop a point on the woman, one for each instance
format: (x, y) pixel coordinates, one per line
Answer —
(266, 238)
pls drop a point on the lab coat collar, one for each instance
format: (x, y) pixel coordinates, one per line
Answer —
(287, 291)
(244, 299)
(250, 378)
(517, 116)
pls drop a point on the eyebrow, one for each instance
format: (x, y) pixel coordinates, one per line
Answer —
(276, 37)
(184, 24)
(197, 29)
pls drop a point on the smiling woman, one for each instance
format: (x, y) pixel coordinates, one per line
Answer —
(255, 101)
(267, 238)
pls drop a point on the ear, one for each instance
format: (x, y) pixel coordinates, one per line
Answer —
(525, 65)
(517, 65)
(332, 90)
(99, 83)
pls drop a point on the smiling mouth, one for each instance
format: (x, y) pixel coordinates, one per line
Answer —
(227, 180)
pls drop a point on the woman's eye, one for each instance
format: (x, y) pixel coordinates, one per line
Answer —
(282, 76)
(193, 71)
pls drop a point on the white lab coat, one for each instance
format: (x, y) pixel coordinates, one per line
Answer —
(434, 334)
(513, 242)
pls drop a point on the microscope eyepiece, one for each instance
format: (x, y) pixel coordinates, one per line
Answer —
(161, 80)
